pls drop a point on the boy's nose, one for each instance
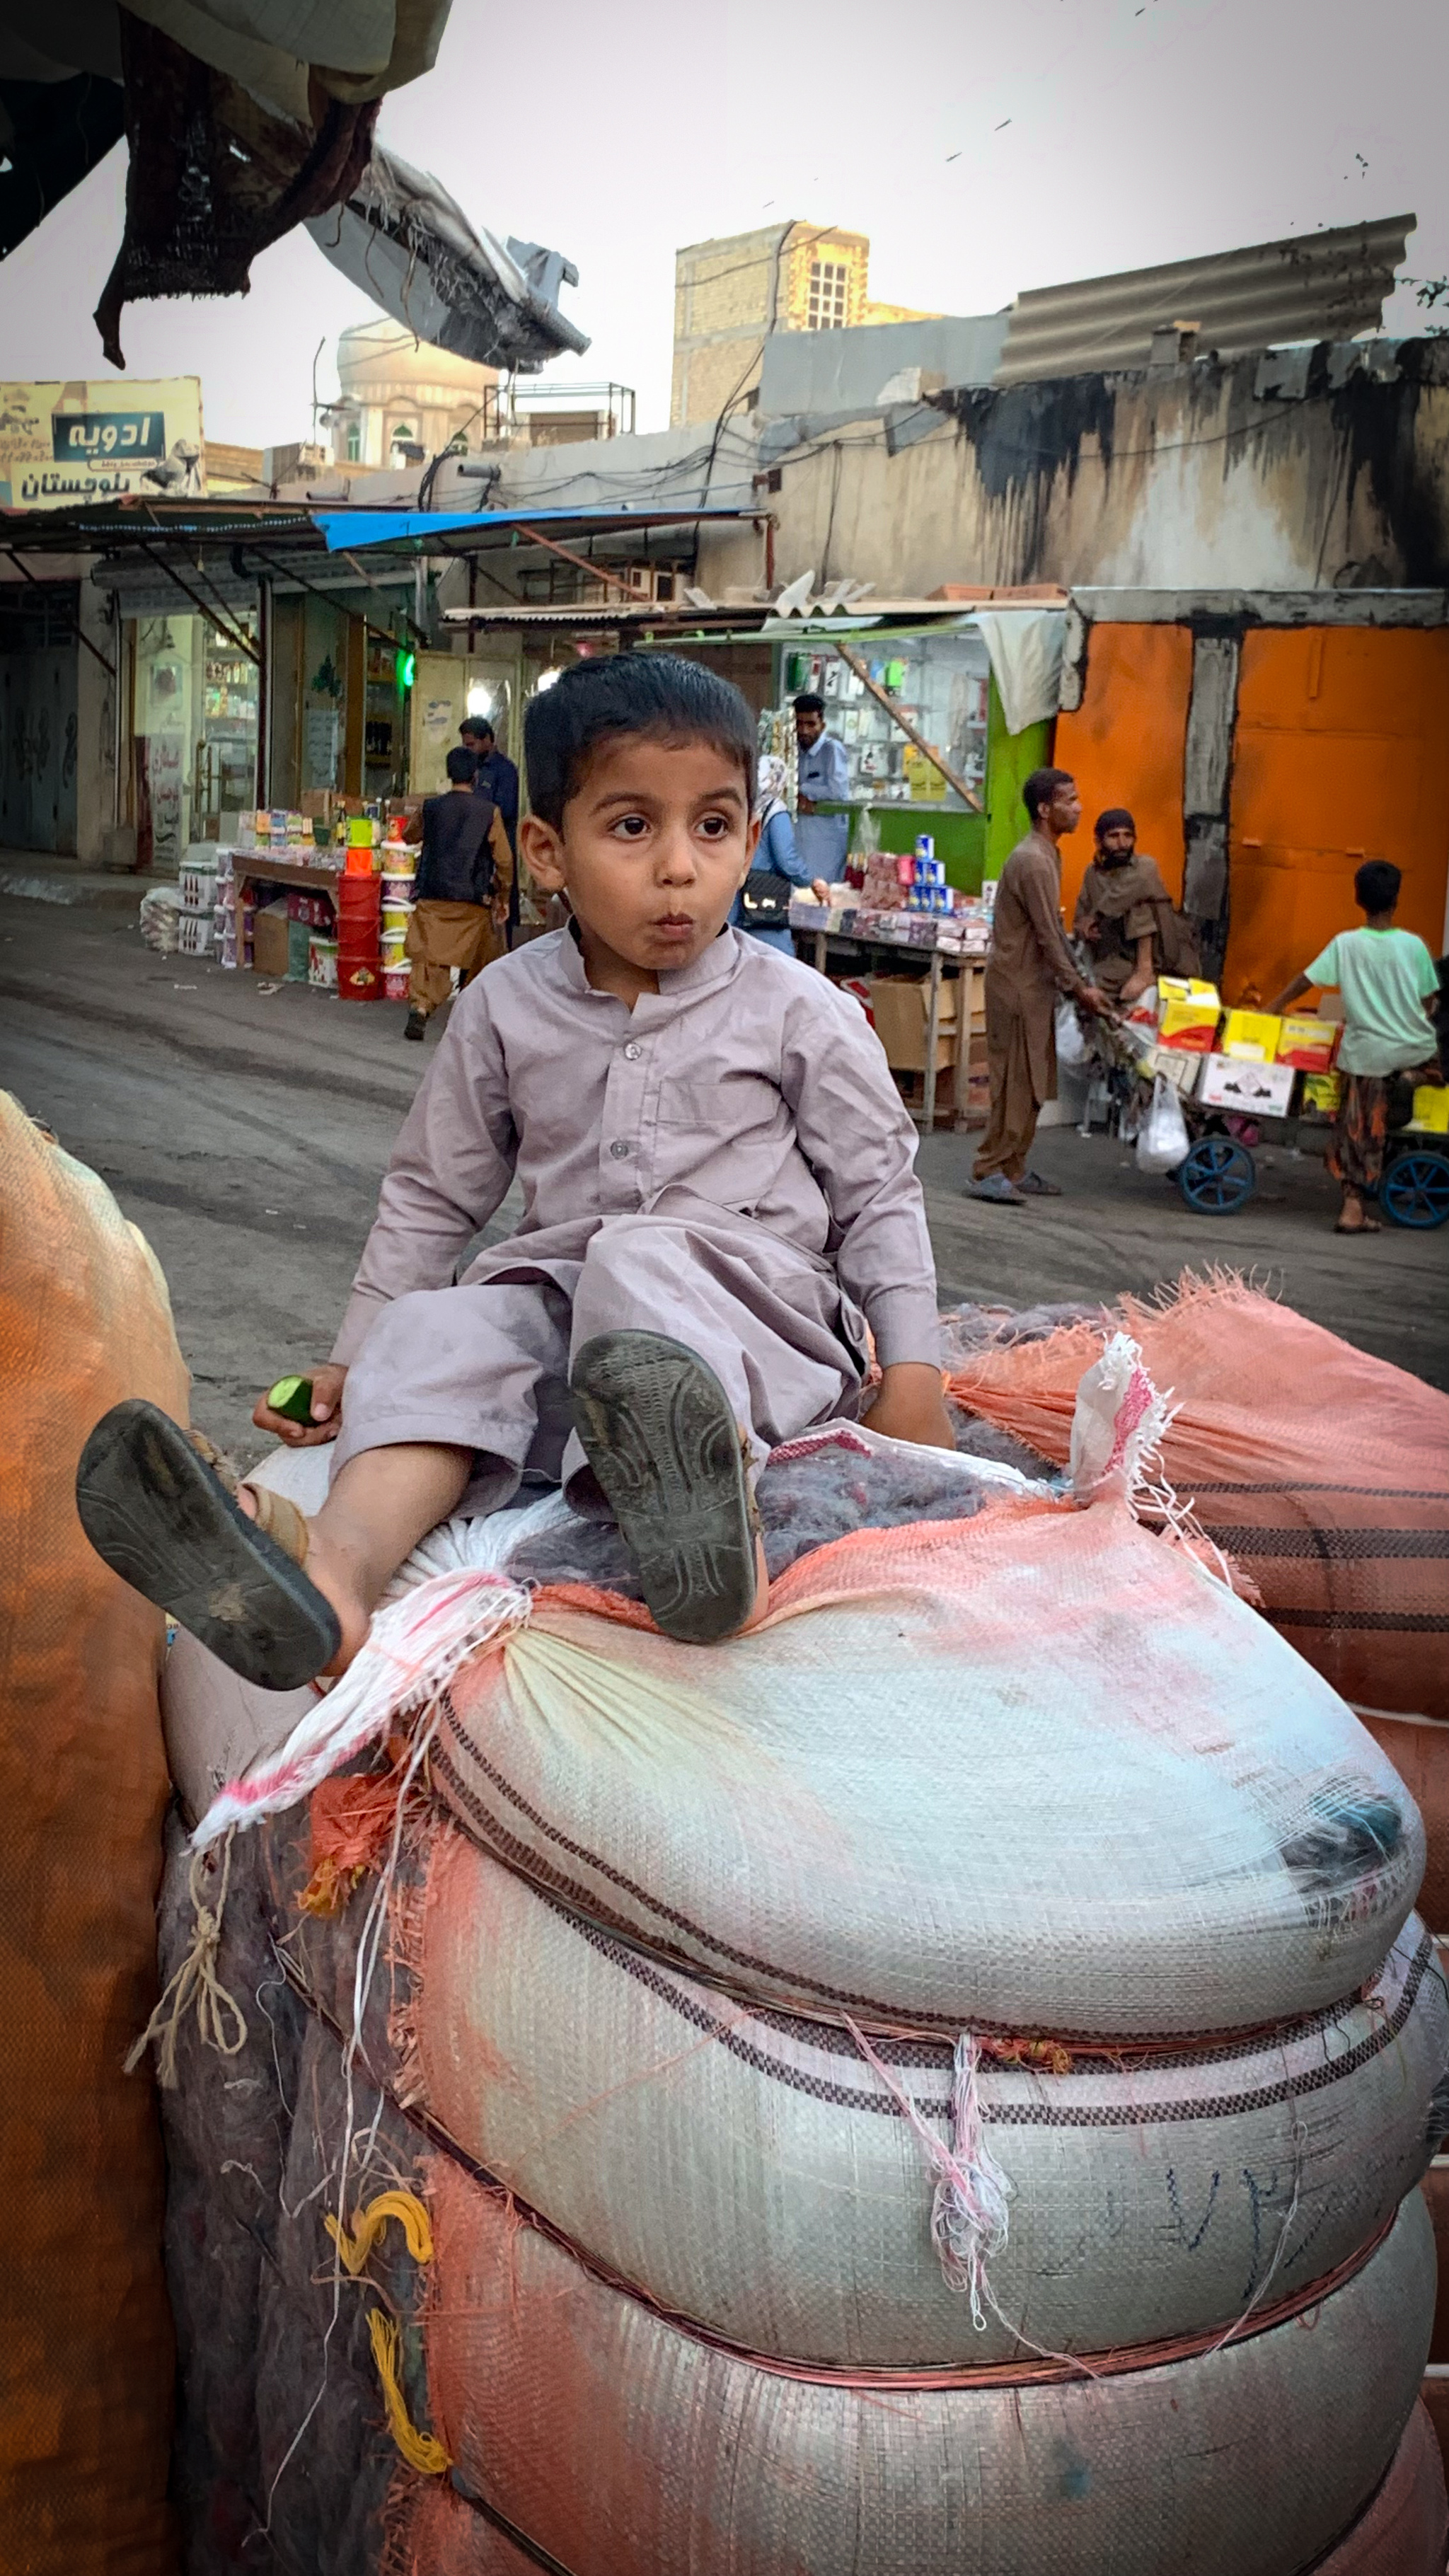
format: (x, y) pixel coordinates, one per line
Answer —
(676, 860)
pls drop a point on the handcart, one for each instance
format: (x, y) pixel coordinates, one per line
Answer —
(1219, 1174)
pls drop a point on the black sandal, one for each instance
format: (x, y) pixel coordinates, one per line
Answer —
(661, 1437)
(163, 1520)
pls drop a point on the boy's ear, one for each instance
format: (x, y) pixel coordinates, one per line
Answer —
(541, 849)
(752, 843)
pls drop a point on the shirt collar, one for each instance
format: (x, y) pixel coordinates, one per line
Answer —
(719, 962)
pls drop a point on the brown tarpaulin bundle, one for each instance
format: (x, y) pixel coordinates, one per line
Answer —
(1322, 1472)
(85, 2333)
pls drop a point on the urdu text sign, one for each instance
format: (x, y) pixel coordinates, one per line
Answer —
(62, 445)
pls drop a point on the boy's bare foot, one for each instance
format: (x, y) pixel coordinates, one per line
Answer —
(661, 1437)
(164, 1521)
(1355, 1218)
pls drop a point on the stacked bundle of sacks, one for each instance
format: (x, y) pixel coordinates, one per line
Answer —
(933, 2087)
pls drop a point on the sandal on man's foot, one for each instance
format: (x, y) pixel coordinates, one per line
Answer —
(1035, 1185)
(163, 1520)
(661, 1437)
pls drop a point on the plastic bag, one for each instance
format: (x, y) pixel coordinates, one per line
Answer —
(1072, 1048)
(1162, 1140)
(160, 919)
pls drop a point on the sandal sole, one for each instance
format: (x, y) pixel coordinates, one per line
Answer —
(660, 1435)
(162, 1521)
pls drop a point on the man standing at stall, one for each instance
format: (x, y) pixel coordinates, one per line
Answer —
(1029, 966)
(1125, 914)
(497, 779)
(822, 778)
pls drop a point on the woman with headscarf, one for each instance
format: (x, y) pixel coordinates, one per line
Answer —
(762, 907)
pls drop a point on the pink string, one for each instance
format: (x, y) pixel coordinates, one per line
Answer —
(969, 2206)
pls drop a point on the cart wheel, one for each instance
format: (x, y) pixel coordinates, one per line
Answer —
(1218, 1177)
(1415, 1189)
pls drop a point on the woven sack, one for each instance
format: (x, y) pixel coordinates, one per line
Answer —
(1402, 2531)
(1322, 1472)
(1034, 1773)
(85, 2335)
(623, 2446)
(777, 2192)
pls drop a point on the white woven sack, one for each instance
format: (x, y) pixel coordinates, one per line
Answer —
(1034, 1773)
(755, 2174)
(622, 2446)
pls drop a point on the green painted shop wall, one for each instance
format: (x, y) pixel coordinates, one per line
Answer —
(1010, 757)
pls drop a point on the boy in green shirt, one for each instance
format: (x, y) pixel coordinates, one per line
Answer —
(1387, 978)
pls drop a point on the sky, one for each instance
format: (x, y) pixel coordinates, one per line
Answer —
(983, 149)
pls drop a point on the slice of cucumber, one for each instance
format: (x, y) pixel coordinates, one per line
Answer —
(293, 1397)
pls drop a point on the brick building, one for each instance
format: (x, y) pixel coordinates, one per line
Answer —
(730, 295)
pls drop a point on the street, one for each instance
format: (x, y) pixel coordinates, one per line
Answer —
(245, 1132)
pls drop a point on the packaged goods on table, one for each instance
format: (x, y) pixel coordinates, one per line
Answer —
(1253, 1036)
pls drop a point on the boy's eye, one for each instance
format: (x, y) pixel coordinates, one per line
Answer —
(715, 827)
(631, 827)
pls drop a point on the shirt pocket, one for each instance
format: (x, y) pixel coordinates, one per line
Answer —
(737, 1110)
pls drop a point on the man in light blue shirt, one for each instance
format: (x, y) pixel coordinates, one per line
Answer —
(824, 771)
(823, 776)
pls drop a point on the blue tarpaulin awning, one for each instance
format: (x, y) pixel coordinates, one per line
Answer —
(345, 530)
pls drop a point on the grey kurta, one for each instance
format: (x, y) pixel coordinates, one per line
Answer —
(1030, 963)
(729, 1162)
(1124, 903)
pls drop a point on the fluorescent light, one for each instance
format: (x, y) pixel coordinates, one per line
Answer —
(480, 699)
(547, 678)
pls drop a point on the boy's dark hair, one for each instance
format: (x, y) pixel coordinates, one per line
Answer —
(807, 704)
(662, 695)
(1041, 787)
(1376, 885)
(479, 727)
(1114, 818)
(462, 767)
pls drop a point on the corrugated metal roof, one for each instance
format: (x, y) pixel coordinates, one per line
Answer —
(1314, 286)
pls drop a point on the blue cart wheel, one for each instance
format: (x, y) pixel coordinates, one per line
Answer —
(1218, 1177)
(1415, 1188)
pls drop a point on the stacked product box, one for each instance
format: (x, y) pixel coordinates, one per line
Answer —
(397, 906)
(197, 888)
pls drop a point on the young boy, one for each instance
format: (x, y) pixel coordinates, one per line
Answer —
(719, 1197)
(462, 888)
(1387, 978)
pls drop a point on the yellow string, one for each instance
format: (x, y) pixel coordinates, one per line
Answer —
(370, 2226)
(420, 2450)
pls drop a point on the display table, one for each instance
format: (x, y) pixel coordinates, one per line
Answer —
(316, 875)
(968, 972)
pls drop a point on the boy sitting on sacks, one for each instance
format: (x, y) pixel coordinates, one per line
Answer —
(719, 1196)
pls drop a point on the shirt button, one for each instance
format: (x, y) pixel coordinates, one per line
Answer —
(619, 1150)
(632, 1053)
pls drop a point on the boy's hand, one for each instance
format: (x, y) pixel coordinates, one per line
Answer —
(326, 1422)
(911, 1406)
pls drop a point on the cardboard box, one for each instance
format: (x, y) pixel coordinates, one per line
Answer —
(1237, 1082)
(1252, 1036)
(1190, 1014)
(1321, 1094)
(1308, 1043)
(269, 940)
(901, 1009)
(195, 935)
(1431, 1108)
(1177, 1066)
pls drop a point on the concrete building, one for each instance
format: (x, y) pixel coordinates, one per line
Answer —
(730, 295)
(398, 392)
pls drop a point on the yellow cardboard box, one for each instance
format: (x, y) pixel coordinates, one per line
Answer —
(1321, 1094)
(1308, 1042)
(1252, 1036)
(1190, 1014)
(1431, 1107)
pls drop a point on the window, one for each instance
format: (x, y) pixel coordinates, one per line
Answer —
(354, 442)
(829, 285)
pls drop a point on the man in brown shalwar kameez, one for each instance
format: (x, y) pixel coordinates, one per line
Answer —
(1125, 914)
(1029, 966)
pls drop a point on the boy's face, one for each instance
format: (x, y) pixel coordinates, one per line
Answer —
(654, 848)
